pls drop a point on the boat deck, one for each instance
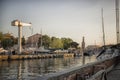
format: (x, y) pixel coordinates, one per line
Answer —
(114, 74)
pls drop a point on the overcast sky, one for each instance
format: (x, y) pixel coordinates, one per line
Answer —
(61, 18)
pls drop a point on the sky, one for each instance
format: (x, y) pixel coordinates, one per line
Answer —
(61, 18)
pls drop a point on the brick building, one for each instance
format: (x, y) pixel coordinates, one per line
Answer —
(32, 41)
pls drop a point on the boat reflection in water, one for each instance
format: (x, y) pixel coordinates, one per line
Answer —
(31, 69)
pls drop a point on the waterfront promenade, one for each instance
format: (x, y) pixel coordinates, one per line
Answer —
(35, 56)
(108, 69)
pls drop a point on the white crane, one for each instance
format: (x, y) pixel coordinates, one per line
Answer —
(19, 24)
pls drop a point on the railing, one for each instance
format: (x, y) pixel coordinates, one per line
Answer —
(101, 75)
(90, 71)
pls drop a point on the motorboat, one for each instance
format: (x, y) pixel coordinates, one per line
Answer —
(41, 50)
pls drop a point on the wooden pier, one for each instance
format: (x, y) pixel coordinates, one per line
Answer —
(35, 56)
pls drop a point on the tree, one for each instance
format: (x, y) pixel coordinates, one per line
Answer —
(23, 40)
(45, 41)
(7, 40)
(7, 43)
(56, 43)
(15, 40)
(74, 44)
(66, 42)
(1, 36)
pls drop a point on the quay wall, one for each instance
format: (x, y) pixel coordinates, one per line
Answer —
(85, 72)
(35, 56)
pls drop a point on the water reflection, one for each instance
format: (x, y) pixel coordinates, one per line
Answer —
(30, 69)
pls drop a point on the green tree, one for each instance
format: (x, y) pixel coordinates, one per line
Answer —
(45, 41)
(39, 42)
(7, 40)
(15, 40)
(56, 43)
(53, 42)
(1, 36)
(23, 40)
(66, 42)
(7, 43)
(74, 44)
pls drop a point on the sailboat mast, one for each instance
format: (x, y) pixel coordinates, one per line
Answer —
(41, 38)
(103, 27)
(117, 19)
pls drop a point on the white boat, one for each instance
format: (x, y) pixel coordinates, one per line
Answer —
(108, 53)
(3, 51)
(41, 50)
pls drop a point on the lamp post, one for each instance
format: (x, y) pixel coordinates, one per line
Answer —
(19, 24)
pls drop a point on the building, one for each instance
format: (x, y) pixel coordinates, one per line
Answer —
(92, 47)
(8, 35)
(32, 41)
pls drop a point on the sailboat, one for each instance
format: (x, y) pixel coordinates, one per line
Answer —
(41, 49)
(106, 51)
(109, 50)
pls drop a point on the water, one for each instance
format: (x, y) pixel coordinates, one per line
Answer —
(30, 69)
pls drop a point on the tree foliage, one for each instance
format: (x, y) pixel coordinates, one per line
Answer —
(56, 43)
(7, 40)
(74, 44)
(66, 42)
(1, 36)
(45, 41)
(23, 40)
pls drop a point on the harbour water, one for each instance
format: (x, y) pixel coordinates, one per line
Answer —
(30, 69)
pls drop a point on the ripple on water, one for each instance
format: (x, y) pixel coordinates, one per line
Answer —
(31, 69)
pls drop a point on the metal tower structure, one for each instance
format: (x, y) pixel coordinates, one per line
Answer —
(19, 24)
